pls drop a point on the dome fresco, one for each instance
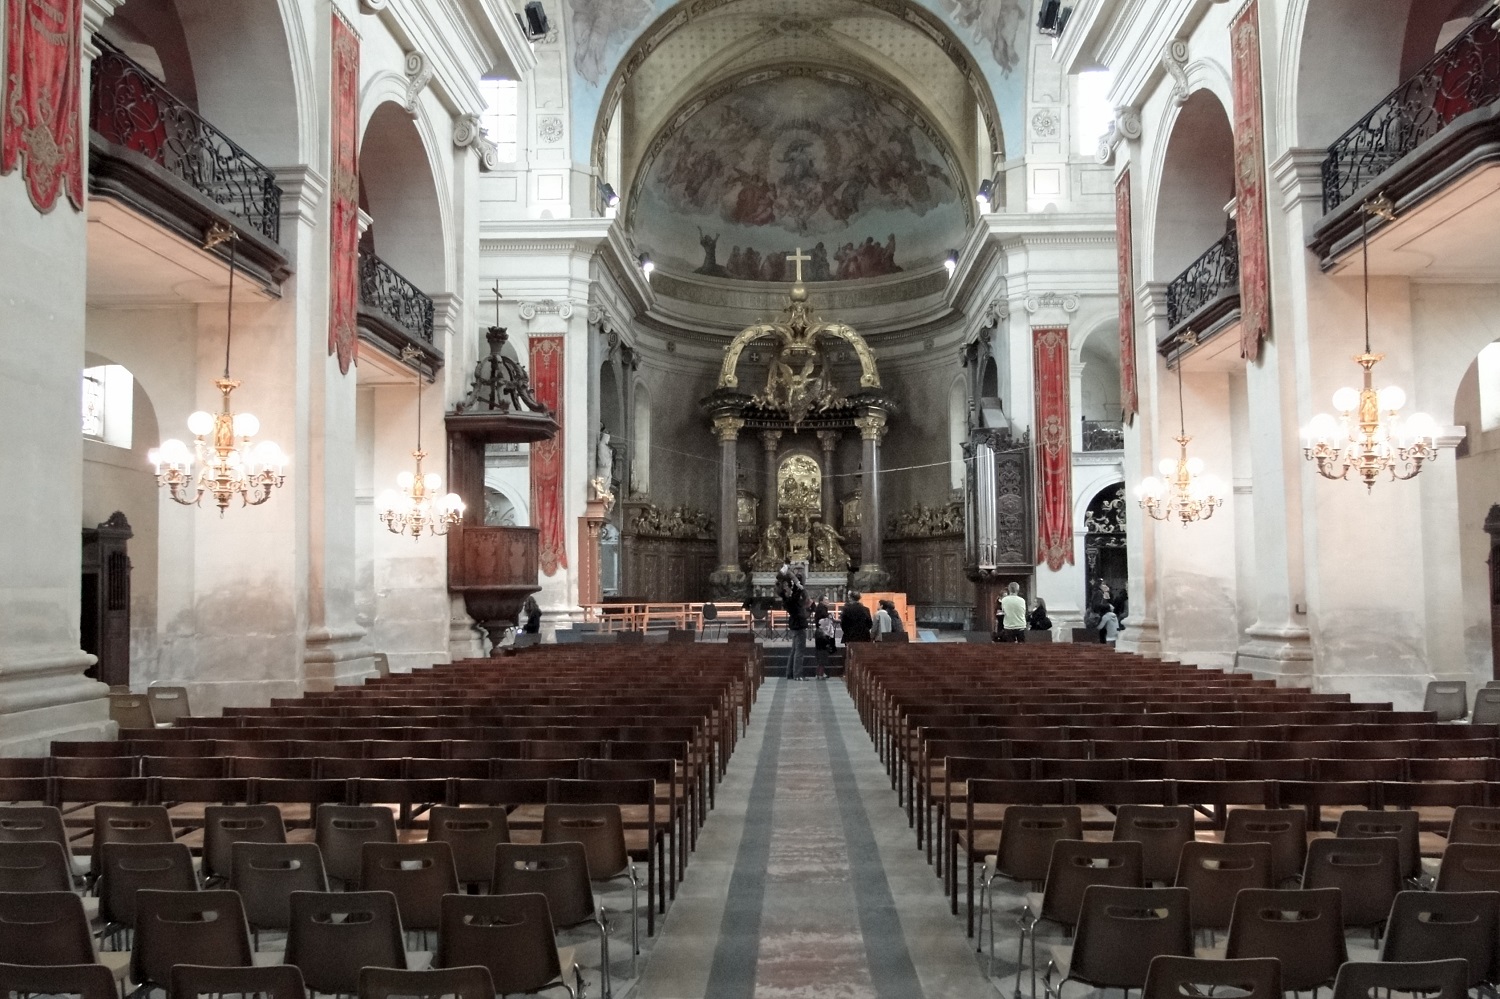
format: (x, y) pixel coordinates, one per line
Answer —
(839, 166)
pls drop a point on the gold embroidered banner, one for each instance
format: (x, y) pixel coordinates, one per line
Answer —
(40, 117)
(343, 271)
(547, 473)
(1250, 183)
(1054, 437)
(1125, 247)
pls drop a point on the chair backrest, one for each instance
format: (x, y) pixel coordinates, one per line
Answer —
(86, 981)
(341, 831)
(471, 982)
(598, 827)
(334, 934)
(1302, 929)
(28, 823)
(167, 703)
(558, 870)
(1077, 864)
(209, 925)
(1470, 823)
(1284, 828)
(39, 865)
(472, 833)
(126, 868)
(511, 935)
(44, 928)
(272, 981)
(1366, 871)
(1486, 705)
(266, 875)
(1356, 823)
(1121, 929)
(1448, 700)
(1171, 977)
(418, 874)
(225, 825)
(1431, 926)
(128, 824)
(131, 711)
(1429, 979)
(1215, 873)
(1161, 830)
(1027, 835)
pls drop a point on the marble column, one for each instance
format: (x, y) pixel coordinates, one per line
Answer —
(729, 580)
(828, 440)
(770, 440)
(871, 575)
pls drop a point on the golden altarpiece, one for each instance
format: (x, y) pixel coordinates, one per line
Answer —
(800, 416)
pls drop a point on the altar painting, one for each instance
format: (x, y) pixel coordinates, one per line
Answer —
(814, 159)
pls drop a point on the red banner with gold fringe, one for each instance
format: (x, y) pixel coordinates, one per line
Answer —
(1054, 439)
(1125, 249)
(1250, 183)
(343, 270)
(40, 119)
(547, 456)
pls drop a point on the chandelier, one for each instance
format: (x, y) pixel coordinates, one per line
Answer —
(230, 464)
(413, 506)
(1183, 491)
(1370, 436)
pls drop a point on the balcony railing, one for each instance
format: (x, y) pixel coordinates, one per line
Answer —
(1213, 277)
(1103, 435)
(385, 292)
(131, 108)
(1465, 75)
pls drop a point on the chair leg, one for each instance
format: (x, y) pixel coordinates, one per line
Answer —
(606, 987)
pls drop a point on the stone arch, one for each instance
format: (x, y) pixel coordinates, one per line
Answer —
(1084, 500)
(515, 501)
(402, 181)
(1195, 164)
(1098, 351)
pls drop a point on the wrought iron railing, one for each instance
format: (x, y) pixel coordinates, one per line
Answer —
(1212, 276)
(1103, 435)
(384, 290)
(1465, 75)
(132, 108)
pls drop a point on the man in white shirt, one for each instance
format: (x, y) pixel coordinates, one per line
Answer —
(1013, 615)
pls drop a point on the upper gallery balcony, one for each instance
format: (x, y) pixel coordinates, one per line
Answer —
(394, 314)
(152, 153)
(1433, 147)
(1204, 299)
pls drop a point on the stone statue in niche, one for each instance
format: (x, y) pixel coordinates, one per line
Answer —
(604, 457)
(827, 550)
(772, 551)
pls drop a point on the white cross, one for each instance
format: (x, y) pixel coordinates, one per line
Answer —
(798, 258)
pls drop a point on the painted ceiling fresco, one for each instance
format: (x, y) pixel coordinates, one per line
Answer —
(793, 158)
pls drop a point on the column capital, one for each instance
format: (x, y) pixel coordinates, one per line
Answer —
(770, 439)
(727, 428)
(871, 426)
(829, 439)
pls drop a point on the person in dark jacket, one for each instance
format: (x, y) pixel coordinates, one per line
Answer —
(1038, 620)
(822, 637)
(855, 620)
(794, 602)
(533, 614)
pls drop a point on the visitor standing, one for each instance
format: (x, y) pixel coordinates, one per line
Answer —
(822, 637)
(854, 619)
(533, 613)
(1013, 614)
(794, 602)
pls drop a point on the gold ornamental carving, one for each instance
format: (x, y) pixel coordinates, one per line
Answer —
(727, 428)
(871, 426)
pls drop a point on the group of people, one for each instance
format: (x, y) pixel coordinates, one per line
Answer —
(1013, 619)
(854, 620)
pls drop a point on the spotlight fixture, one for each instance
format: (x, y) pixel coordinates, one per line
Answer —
(986, 195)
(534, 21)
(950, 262)
(646, 265)
(607, 195)
(1053, 18)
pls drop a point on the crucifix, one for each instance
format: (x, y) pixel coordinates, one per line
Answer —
(798, 259)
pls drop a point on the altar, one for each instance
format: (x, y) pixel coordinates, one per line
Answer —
(803, 415)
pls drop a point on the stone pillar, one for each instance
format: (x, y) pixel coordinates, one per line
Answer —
(729, 581)
(871, 575)
(1142, 634)
(770, 440)
(828, 440)
(1492, 528)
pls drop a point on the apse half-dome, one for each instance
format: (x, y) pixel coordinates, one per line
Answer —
(843, 167)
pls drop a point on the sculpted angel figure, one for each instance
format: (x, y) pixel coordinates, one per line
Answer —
(827, 551)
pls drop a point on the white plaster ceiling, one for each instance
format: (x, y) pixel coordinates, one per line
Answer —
(829, 33)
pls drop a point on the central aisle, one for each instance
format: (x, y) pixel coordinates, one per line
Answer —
(806, 882)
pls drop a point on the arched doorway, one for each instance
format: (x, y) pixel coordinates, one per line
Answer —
(1105, 571)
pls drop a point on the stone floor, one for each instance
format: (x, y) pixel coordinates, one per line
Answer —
(807, 883)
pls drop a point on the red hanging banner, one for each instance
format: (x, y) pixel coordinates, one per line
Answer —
(1054, 438)
(1250, 183)
(1125, 248)
(41, 110)
(547, 455)
(343, 271)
